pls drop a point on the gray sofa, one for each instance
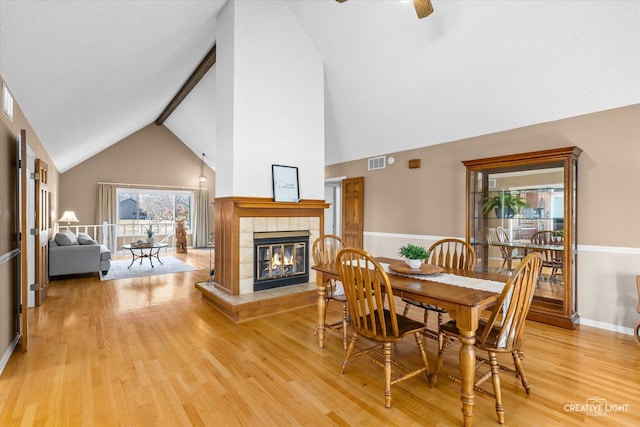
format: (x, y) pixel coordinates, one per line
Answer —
(71, 254)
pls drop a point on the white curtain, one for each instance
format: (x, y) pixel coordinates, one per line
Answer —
(200, 233)
(107, 211)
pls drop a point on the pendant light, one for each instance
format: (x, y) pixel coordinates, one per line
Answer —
(203, 177)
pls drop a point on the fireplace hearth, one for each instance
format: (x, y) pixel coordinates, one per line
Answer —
(280, 259)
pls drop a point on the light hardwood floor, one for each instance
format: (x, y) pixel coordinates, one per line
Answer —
(150, 352)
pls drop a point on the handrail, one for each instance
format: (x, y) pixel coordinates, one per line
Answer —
(125, 233)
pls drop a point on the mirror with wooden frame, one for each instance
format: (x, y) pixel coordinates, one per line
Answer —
(527, 202)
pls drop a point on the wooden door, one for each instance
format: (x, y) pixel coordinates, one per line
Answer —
(353, 212)
(42, 231)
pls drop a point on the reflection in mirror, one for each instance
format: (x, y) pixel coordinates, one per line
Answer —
(525, 213)
(520, 203)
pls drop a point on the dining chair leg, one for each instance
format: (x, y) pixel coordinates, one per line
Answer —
(423, 353)
(345, 339)
(440, 336)
(439, 361)
(517, 361)
(387, 375)
(495, 380)
(406, 310)
(352, 345)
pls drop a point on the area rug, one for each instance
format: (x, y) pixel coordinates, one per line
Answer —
(119, 268)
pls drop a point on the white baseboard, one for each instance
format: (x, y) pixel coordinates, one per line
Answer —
(7, 354)
(607, 326)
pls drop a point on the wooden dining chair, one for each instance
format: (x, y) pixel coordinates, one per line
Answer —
(452, 253)
(324, 251)
(508, 254)
(373, 316)
(503, 332)
(552, 259)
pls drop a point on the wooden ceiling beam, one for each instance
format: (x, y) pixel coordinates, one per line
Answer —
(188, 86)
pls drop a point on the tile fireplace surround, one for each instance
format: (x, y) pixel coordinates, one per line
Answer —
(261, 224)
(237, 218)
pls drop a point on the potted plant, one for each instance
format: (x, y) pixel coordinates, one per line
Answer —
(505, 203)
(414, 255)
(150, 232)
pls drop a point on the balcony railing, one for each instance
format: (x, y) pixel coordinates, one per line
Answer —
(115, 235)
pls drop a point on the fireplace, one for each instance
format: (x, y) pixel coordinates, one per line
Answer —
(280, 259)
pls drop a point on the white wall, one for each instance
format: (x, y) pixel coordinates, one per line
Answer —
(224, 104)
(277, 102)
(606, 280)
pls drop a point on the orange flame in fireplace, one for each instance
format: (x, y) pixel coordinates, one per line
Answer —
(277, 261)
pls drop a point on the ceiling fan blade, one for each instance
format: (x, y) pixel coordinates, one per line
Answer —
(423, 8)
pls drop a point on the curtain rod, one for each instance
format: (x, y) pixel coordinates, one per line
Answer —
(124, 184)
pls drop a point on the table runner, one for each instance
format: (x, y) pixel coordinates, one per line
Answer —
(467, 282)
(452, 279)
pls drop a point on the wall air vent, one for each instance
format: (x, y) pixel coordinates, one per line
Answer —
(377, 163)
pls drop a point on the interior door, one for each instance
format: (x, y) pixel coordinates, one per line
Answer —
(42, 233)
(353, 211)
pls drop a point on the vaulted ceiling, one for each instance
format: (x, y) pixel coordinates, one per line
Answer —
(88, 74)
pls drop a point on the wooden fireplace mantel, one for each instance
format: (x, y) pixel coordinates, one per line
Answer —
(229, 210)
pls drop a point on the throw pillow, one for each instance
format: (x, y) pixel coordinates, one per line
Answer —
(85, 239)
(66, 238)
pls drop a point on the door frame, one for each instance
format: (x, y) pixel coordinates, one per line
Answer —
(333, 214)
(22, 206)
(31, 227)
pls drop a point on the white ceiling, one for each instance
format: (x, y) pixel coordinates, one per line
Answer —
(88, 74)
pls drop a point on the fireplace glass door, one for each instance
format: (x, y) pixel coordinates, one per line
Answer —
(281, 260)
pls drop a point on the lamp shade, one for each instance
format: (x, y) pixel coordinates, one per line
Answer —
(68, 216)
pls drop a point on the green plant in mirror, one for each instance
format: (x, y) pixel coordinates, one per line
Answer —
(410, 251)
(504, 200)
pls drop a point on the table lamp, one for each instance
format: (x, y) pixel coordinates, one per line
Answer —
(68, 217)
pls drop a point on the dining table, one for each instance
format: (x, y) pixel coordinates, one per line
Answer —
(552, 251)
(527, 246)
(464, 304)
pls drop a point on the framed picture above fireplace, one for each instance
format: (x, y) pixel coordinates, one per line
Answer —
(285, 183)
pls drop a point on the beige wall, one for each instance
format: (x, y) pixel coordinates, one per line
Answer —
(424, 204)
(431, 200)
(151, 156)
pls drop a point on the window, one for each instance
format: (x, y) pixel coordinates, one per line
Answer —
(162, 208)
(7, 101)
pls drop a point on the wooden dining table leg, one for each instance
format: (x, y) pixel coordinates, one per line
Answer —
(467, 371)
(320, 328)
